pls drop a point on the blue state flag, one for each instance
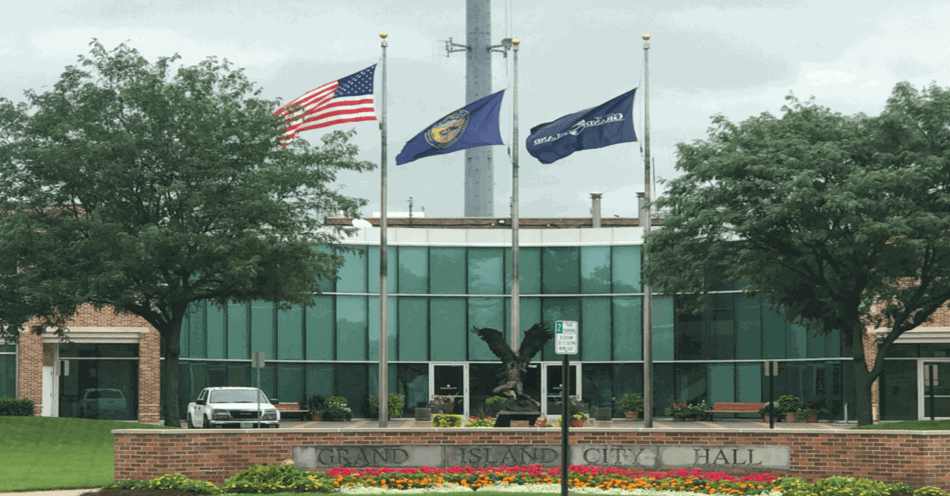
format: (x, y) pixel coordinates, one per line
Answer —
(475, 124)
(597, 127)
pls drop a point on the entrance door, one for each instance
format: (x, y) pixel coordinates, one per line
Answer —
(935, 397)
(451, 380)
(552, 385)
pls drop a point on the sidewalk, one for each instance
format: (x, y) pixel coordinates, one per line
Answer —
(60, 492)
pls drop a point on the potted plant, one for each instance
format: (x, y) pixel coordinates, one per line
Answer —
(577, 420)
(764, 411)
(394, 407)
(337, 410)
(789, 405)
(316, 404)
(700, 410)
(632, 405)
(679, 411)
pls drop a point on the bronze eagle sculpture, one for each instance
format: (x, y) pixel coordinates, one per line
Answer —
(515, 363)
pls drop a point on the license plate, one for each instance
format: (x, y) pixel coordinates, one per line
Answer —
(247, 425)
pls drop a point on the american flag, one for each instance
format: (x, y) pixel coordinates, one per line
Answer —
(348, 99)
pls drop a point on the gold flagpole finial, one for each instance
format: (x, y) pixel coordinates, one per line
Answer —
(646, 37)
(383, 35)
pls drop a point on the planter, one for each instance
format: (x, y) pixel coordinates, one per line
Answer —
(679, 419)
(765, 418)
(577, 423)
(811, 418)
(791, 416)
(631, 415)
(316, 416)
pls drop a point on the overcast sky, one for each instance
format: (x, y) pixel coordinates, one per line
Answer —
(738, 58)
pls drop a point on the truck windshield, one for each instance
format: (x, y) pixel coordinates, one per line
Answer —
(237, 396)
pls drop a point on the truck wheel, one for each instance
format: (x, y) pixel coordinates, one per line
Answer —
(190, 424)
(206, 424)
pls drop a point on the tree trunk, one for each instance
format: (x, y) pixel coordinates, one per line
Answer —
(862, 378)
(169, 388)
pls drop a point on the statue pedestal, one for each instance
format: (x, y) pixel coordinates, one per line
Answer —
(505, 417)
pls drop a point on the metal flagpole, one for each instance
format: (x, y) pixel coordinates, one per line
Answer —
(515, 281)
(645, 223)
(383, 290)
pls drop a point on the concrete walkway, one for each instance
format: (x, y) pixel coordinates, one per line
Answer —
(368, 424)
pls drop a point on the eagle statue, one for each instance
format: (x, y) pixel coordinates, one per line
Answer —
(515, 363)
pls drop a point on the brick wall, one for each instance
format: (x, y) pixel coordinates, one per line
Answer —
(149, 377)
(919, 458)
(30, 369)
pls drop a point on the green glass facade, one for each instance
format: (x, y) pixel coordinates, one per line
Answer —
(439, 293)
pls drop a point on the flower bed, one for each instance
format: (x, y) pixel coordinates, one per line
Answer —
(523, 478)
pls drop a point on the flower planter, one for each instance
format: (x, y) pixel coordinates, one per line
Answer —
(811, 418)
(791, 416)
(316, 416)
(631, 415)
(765, 418)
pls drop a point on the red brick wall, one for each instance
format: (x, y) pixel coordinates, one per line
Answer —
(917, 458)
(30, 369)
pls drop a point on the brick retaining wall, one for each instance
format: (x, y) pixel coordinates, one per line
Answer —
(919, 458)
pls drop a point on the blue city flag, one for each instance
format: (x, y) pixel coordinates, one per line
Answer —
(597, 127)
(475, 124)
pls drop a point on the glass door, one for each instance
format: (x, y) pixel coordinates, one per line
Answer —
(552, 385)
(935, 397)
(450, 383)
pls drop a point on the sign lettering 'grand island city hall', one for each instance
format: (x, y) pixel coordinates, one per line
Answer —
(610, 455)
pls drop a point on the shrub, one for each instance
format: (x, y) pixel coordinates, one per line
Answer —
(276, 478)
(446, 420)
(395, 404)
(495, 404)
(929, 491)
(480, 421)
(631, 402)
(788, 403)
(337, 409)
(577, 420)
(10, 407)
(175, 482)
(316, 403)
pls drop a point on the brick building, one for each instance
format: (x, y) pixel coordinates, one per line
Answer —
(447, 276)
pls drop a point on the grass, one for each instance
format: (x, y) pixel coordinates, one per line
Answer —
(911, 425)
(57, 453)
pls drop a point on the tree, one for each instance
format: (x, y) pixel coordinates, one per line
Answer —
(144, 187)
(839, 221)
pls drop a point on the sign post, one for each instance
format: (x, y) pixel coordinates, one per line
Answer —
(771, 370)
(257, 362)
(565, 343)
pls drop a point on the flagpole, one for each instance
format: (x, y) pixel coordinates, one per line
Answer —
(645, 223)
(383, 290)
(515, 281)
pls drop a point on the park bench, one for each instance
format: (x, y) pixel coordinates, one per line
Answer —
(289, 407)
(726, 407)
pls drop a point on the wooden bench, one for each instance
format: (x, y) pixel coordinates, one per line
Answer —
(725, 407)
(289, 407)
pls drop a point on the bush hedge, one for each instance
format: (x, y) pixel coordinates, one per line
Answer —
(10, 407)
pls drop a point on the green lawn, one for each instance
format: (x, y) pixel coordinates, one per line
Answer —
(911, 425)
(57, 453)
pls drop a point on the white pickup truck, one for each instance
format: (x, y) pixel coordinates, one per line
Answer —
(232, 407)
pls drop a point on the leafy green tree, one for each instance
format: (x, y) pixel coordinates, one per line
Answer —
(145, 187)
(842, 222)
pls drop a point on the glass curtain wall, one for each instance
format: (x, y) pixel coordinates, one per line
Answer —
(8, 371)
(99, 381)
(439, 293)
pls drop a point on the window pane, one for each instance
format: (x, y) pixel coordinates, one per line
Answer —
(216, 330)
(7, 375)
(722, 382)
(796, 341)
(262, 328)
(392, 266)
(529, 313)
(352, 327)
(595, 269)
(688, 335)
(628, 327)
(352, 383)
(290, 333)
(720, 340)
(628, 378)
(484, 312)
(529, 270)
(320, 328)
(413, 269)
(325, 285)
(560, 271)
(663, 318)
(238, 331)
(290, 377)
(320, 379)
(352, 275)
(899, 390)
(392, 311)
(750, 382)
(196, 321)
(413, 329)
(555, 309)
(447, 270)
(595, 342)
(597, 380)
(412, 381)
(773, 334)
(626, 269)
(486, 270)
(449, 329)
(749, 329)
